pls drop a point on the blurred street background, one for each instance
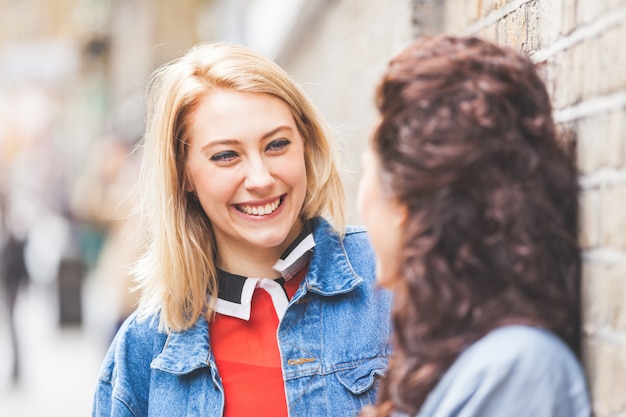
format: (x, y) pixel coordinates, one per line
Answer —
(73, 76)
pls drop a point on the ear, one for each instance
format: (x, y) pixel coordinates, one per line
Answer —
(188, 184)
(401, 214)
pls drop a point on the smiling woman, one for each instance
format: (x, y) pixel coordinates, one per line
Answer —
(249, 178)
(256, 299)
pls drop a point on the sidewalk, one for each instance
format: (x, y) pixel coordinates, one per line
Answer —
(58, 365)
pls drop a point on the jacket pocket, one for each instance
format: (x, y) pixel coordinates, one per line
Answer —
(362, 376)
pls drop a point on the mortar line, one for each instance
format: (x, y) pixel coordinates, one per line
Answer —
(605, 256)
(494, 16)
(604, 176)
(588, 31)
(590, 107)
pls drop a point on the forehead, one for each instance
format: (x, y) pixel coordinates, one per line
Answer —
(229, 114)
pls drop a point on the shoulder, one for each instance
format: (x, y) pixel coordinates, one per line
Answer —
(359, 251)
(356, 240)
(124, 379)
(354, 244)
(521, 353)
(524, 348)
(525, 370)
(136, 343)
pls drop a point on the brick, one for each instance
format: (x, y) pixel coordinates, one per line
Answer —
(618, 277)
(569, 67)
(569, 16)
(590, 219)
(516, 29)
(460, 14)
(606, 368)
(591, 155)
(593, 285)
(489, 32)
(501, 30)
(559, 87)
(611, 73)
(549, 15)
(455, 16)
(605, 363)
(534, 34)
(472, 13)
(589, 81)
(616, 140)
(489, 6)
(613, 297)
(614, 234)
(607, 283)
(589, 10)
(575, 74)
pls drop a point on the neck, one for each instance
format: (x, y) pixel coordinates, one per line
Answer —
(253, 262)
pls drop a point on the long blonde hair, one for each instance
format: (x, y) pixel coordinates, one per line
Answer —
(176, 274)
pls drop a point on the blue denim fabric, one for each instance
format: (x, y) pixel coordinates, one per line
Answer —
(333, 340)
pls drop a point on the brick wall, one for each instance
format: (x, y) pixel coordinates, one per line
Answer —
(579, 46)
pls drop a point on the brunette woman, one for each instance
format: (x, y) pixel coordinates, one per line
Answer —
(472, 208)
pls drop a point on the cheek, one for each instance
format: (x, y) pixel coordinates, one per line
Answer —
(192, 173)
(296, 176)
(387, 256)
(361, 199)
(211, 187)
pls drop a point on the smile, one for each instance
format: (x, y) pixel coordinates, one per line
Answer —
(263, 210)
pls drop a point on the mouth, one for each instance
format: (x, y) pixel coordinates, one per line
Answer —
(261, 210)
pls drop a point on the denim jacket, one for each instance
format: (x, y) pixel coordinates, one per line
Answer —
(333, 341)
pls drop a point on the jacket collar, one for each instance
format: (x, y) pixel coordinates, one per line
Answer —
(330, 273)
(185, 351)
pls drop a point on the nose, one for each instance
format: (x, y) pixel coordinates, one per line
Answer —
(258, 175)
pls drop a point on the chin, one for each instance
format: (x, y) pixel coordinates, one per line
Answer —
(385, 276)
(271, 241)
(381, 277)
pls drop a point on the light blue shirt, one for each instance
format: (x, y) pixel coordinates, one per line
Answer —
(516, 371)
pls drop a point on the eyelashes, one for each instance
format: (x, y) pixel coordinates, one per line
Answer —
(278, 144)
(224, 156)
(275, 146)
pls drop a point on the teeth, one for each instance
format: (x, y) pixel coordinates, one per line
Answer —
(260, 210)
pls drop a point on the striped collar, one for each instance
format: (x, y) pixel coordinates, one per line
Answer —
(235, 291)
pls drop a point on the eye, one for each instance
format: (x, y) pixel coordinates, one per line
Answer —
(226, 156)
(278, 145)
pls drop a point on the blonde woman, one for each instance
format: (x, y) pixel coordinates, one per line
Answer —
(256, 299)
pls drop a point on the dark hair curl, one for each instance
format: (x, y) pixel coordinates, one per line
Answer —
(468, 144)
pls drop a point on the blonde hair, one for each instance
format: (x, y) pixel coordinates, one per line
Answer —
(176, 274)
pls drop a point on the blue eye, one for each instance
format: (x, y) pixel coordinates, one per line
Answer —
(224, 156)
(278, 144)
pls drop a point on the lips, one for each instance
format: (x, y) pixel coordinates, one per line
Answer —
(260, 210)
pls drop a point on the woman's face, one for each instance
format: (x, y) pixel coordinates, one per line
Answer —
(246, 165)
(383, 217)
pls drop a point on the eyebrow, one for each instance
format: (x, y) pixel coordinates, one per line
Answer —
(230, 141)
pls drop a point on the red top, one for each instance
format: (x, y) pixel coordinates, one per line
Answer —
(248, 359)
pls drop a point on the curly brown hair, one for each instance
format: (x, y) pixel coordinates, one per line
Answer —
(468, 144)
